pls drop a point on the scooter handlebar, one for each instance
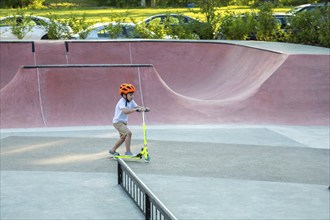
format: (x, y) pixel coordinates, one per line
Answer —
(146, 109)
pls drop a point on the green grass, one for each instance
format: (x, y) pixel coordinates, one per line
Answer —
(104, 14)
(84, 3)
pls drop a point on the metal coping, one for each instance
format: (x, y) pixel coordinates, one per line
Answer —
(240, 43)
(85, 65)
(67, 42)
(146, 201)
(226, 42)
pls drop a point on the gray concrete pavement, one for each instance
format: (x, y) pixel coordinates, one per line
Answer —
(198, 172)
(63, 195)
(288, 48)
(222, 198)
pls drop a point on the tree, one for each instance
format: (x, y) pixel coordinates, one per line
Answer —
(267, 27)
(209, 9)
(21, 3)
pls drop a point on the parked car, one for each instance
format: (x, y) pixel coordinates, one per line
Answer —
(306, 7)
(201, 30)
(173, 19)
(285, 17)
(111, 30)
(37, 31)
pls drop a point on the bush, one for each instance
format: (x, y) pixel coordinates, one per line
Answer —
(311, 27)
(238, 27)
(252, 26)
(267, 26)
(204, 30)
(21, 24)
(56, 30)
(177, 29)
(81, 26)
(155, 26)
(324, 30)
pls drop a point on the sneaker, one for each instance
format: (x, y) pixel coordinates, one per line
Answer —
(114, 153)
(129, 153)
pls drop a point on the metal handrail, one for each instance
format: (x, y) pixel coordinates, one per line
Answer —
(146, 201)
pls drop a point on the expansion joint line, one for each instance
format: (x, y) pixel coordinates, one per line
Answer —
(39, 93)
(140, 82)
(130, 53)
(141, 92)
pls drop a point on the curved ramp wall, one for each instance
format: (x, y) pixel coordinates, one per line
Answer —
(12, 56)
(64, 96)
(187, 83)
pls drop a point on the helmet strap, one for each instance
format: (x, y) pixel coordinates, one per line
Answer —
(125, 97)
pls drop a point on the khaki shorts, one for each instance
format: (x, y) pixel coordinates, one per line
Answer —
(122, 129)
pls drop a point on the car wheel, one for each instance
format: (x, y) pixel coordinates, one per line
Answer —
(45, 37)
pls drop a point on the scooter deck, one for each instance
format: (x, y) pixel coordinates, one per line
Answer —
(143, 154)
(137, 157)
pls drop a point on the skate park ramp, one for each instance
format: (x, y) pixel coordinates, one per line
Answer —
(76, 83)
(237, 130)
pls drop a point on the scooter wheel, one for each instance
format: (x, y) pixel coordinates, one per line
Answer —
(147, 160)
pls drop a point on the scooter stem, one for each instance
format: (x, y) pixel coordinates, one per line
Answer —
(144, 129)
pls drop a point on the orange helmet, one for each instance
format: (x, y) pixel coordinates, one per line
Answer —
(126, 88)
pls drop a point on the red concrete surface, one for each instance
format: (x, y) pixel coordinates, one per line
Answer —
(53, 52)
(189, 83)
(16, 54)
(12, 56)
(20, 104)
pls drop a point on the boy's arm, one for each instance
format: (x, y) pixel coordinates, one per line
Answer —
(136, 109)
(128, 110)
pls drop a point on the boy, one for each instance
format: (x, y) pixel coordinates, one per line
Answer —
(125, 106)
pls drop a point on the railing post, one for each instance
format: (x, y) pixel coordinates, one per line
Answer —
(120, 174)
(148, 211)
(150, 203)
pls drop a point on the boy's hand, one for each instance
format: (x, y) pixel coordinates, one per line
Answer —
(142, 109)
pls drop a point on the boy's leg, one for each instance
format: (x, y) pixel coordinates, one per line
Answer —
(125, 136)
(117, 144)
(128, 141)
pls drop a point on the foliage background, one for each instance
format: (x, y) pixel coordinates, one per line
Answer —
(313, 29)
(137, 3)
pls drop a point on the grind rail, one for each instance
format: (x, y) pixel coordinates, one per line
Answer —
(147, 202)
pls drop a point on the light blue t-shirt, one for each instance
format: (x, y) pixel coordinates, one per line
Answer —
(119, 115)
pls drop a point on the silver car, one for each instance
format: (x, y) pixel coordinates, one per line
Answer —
(37, 30)
(110, 30)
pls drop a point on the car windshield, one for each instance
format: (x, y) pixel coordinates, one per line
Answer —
(170, 19)
(124, 32)
(11, 21)
(304, 8)
(294, 10)
(131, 32)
